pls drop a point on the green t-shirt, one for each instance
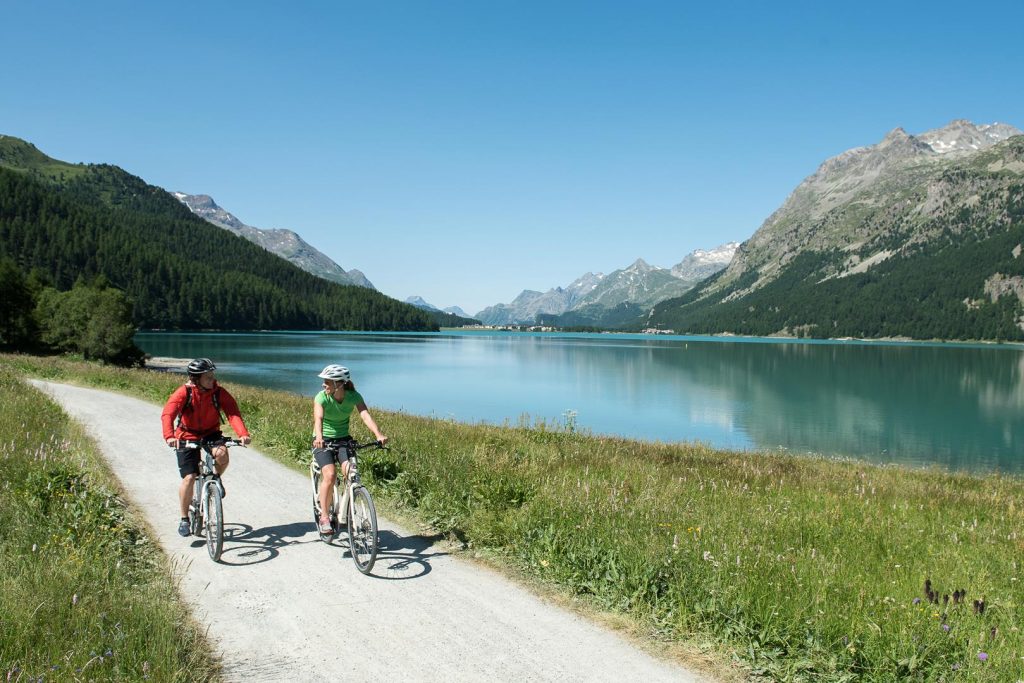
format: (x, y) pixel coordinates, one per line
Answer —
(336, 415)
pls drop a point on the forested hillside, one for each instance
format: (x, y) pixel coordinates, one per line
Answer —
(67, 221)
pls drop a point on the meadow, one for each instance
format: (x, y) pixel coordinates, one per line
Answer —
(84, 594)
(802, 569)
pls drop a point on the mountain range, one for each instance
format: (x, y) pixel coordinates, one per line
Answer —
(596, 299)
(285, 243)
(915, 236)
(64, 224)
(419, 302)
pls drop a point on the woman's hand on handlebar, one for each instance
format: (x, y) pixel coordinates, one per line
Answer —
(172, 442)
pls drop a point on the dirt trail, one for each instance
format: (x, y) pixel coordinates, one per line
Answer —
(284, 606)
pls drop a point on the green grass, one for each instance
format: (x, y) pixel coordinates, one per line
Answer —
(83, 593)
(806, 569)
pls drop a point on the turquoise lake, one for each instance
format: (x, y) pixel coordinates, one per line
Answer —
(957, 406)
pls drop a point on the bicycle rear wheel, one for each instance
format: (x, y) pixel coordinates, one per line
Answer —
(362, 530)
(214, 522)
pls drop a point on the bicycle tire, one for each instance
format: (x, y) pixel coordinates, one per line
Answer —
(214, 522)
(362, 529)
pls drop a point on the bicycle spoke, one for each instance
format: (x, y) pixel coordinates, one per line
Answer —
(214, 522)
(362, 530)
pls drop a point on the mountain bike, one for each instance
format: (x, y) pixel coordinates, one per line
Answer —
(355, 504)
(206, 512)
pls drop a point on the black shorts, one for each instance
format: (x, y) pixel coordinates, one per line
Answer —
(188, 458)
(334, 450)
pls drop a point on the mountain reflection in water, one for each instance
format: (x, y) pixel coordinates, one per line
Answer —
(958, 406)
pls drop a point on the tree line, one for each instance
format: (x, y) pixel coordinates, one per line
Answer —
(177, 270)
(92, 319)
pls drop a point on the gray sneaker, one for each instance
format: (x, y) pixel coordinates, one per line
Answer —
(183, 529)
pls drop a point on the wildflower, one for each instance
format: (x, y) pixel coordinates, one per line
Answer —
(945, 627)
(917, 601)
(983, 656)
(544, 563)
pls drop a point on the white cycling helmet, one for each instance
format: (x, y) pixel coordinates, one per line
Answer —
(337, 373)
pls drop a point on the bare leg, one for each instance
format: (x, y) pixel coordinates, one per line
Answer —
(220, 459)
(327, 474)
(185, 493)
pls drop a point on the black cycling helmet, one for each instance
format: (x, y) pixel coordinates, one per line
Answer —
(200, 366)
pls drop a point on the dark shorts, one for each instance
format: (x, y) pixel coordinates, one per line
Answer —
(334, 450)
(188, 458)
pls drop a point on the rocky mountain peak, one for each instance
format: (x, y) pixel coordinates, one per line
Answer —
(703, 263)
(419, 302)
(640, 266)
(285, 243)
(960, 136)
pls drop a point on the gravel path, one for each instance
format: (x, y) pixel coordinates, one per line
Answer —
(284, 606)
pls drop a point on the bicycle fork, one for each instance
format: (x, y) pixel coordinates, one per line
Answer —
(197, 510)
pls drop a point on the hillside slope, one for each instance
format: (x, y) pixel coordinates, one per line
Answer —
(895, 240)
(69, 221)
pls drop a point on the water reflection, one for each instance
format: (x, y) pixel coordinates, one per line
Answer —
(960, 407)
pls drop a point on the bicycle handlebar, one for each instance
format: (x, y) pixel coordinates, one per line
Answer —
(227, 443)
(369, 444)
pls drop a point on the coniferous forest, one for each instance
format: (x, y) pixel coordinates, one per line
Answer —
(67, 223)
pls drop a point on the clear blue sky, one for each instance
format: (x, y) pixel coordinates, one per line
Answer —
(465, 151)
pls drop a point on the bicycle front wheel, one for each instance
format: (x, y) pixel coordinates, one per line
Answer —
(214, 522)
(362, 530)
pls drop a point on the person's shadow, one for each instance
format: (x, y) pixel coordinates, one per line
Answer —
(244, 545)
(399, 558)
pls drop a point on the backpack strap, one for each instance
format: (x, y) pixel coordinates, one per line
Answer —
(184, 406)
(216, 403)
(188, 404)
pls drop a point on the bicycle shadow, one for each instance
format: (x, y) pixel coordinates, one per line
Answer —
(399, 558)
(244, 545)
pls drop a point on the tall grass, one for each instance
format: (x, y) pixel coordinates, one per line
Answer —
(83, 594)
(809, 569)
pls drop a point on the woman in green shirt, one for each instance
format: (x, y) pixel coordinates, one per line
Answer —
(332, 409)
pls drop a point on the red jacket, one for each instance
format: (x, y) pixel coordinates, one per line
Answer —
(200, 418)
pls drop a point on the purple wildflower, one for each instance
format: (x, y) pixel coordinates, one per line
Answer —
(917, 601)
(983, 656)
(945, 627)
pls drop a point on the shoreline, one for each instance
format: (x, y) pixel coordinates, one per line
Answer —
(166, 364)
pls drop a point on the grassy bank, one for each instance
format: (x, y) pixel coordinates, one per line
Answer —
(83, 595)
(808, 569)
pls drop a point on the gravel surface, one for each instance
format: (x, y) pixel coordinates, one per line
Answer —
(282, 605)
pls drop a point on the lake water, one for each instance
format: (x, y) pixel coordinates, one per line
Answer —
(958, 406)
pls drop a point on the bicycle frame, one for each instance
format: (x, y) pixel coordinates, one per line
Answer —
(360, 518)
(199, 510)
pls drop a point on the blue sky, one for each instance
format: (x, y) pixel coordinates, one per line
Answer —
(465, 151)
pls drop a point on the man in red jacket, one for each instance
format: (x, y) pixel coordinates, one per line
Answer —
(197, 406)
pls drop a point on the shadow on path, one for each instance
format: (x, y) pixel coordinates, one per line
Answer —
(244, 545)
